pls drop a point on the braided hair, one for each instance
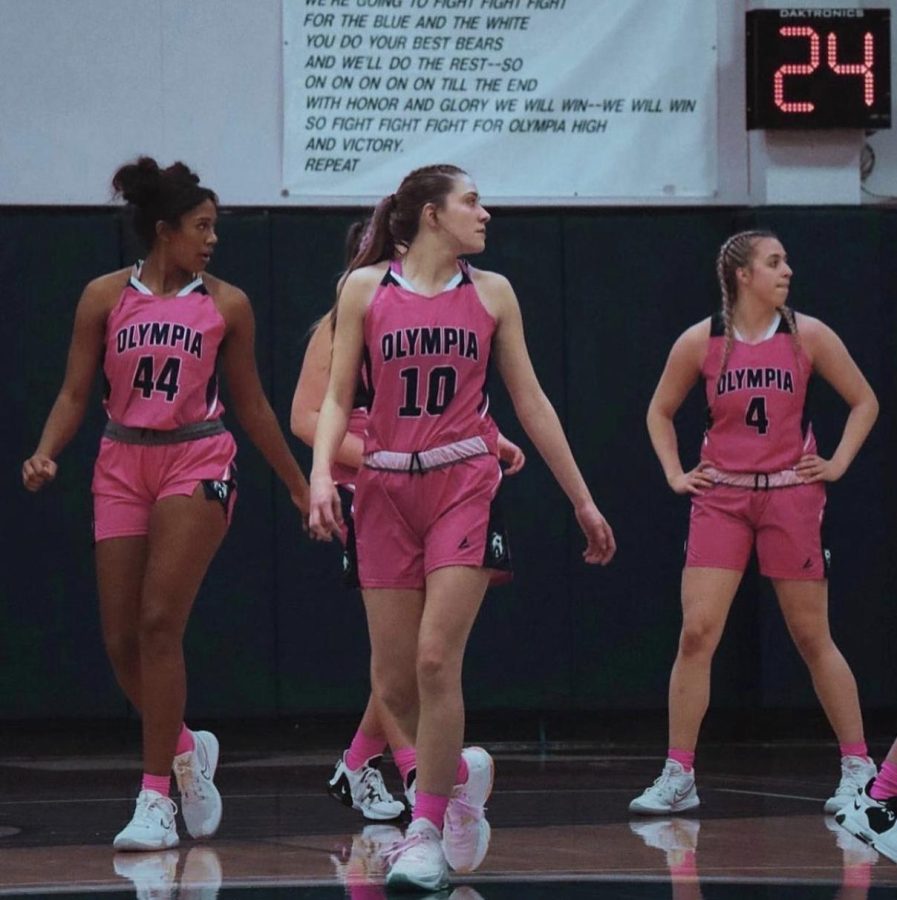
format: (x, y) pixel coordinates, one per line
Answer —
(736, 253)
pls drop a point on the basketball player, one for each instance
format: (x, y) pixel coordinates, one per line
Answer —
(164, 484)
(760, 482)
(356, 780)
(425, 327)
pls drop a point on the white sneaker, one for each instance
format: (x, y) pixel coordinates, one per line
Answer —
(363, 862)
(154, 875)
(856, 772)
(200, 800)
(417, 862)
(672, 836)
(364, 789)
(202, 875)
(872, 821)
(855, 850)
(152, 827)
(885, 824)
(466, 837)
(673, 791)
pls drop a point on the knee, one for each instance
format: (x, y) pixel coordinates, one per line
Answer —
(813, 647)
(397, 696)
(160, 633)
(122, 647)
(698, 639)
(437, 671)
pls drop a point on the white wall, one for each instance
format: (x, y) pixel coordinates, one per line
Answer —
(88, 84)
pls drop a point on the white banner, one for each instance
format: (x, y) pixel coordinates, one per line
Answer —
(542, 101)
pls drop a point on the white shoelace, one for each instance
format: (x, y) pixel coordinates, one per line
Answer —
(459, 814)
(374, 788)
(143, 813)
(185, 772)
(392, 853)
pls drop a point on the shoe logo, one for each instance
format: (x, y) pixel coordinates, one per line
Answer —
(680, 794)
(204, 767)
(464, 544)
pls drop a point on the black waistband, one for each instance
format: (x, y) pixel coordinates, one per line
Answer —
(153, 436)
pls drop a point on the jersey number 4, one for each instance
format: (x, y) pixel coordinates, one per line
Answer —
(755, 415)
(442, 382)
(146, 381)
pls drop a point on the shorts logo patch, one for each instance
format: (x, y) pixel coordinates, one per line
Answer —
(465, 543)
(345, 562)
(497, 545)
(808, 564)
(220, 488)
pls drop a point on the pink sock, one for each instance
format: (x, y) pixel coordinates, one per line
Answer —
(685, 758)
(160, 783)
(686, 868)
(430, 806)
(858, 749)
(185, 742)
(885, 784)
(364, 891)
(857, 876)
(463, 772)
(362, 748)
(406, 760)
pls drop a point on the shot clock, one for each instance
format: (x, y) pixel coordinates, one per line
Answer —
(818, 68)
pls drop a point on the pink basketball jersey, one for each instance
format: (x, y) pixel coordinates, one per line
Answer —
(426, 360)
(160, 357)
(756, 412)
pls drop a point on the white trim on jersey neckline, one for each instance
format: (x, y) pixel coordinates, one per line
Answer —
(140, 286)
(453, 282)
(773, 328)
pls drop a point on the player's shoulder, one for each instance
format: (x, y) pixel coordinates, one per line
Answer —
(485, 279)
(365, 277)
(223, 292)
(103, 292)
(698, 334)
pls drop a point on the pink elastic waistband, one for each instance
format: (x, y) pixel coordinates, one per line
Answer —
(424, 460)
(755, 481)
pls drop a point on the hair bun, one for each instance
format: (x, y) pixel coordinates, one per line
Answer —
(137, 181)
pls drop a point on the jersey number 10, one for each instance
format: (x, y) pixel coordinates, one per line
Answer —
(442, 382)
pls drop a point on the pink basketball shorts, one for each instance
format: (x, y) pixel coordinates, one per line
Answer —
(784, 523)
(129, 478)
(409, 524)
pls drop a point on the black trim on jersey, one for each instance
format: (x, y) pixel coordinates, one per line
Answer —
(368, 378)
(487, 373)
(361, 400)
(718, 328)
(806, 419)
(212, 388)
(463, 266)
